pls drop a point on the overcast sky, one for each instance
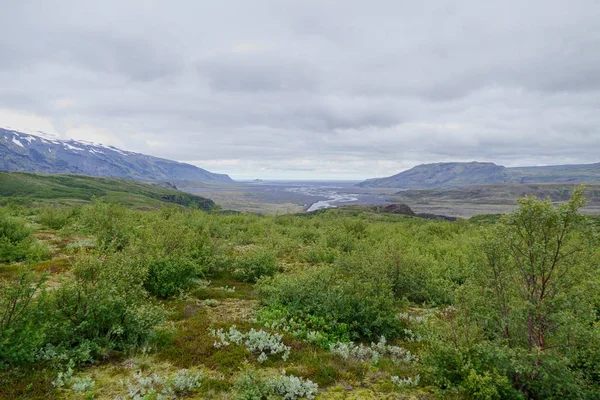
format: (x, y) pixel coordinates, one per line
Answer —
(309, 89)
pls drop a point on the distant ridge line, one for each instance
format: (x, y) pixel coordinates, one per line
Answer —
(456, 174)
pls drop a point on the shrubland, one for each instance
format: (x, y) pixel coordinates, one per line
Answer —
(114, 301)
(17, 242)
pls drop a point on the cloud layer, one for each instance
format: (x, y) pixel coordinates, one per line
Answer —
(309, 89)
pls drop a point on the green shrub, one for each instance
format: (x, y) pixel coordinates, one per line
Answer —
(527, 314)
(103, 306)
(21, 332)
(56, 217)
(480, 370)
(318, 254)
(356, 227)
(486, 386)
(13, 229)
(250, 266)
(176, 250)
(358, 302)
(110, 223)
(306, 235)
(17, 242)
(341, 240)
(416, 277)
(314, 329)
(168, 277)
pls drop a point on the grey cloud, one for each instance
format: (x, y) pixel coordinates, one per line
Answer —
(134, 58)
(355, 91)
(258, 73)
(37, 32)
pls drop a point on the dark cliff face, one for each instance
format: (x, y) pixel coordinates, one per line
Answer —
(456, 174)
(24, 152)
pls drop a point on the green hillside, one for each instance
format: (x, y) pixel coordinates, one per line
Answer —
(79, 188)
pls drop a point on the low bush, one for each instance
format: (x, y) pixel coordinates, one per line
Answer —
(358, 302)
(257, 342)
(22, 332)
(111, 224)
(103, 306)
(181, 384)
(307, 327)
(320, 254)
(477, 370)
(17, 242)
(372, 353)
(175, 249)
(168, 277)
(250, 266)
(406, 382)
(251, 387)
(56, 217)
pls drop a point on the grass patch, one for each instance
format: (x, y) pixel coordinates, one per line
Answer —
(214, 388)
(54, 266)
(27, 384)
(192, 346)
(9, 271)
(221, 289)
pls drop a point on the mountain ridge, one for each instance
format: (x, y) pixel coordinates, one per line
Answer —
(42, 154)
(456, 174)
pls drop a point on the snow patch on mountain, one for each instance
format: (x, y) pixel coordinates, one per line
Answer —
(68, 146)
(17, 142)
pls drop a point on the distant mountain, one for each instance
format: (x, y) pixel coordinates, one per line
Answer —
(24, 152)
(455, 174)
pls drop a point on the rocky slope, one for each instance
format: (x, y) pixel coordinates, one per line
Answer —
(24, 152)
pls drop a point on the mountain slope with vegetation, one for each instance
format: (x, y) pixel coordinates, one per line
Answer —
(456, 174)
(24, 152)
(22, 186)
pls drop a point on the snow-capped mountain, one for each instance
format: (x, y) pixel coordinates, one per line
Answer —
(43, 153)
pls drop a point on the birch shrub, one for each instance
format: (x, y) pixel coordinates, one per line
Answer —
(103, 306)
(355, 305)
(527, 316)
(176, 250)
(17, 242)
(22, 330)
(252, 265)
(57, 217)
(113, 225)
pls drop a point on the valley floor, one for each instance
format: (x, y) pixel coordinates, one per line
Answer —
(276, 198)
